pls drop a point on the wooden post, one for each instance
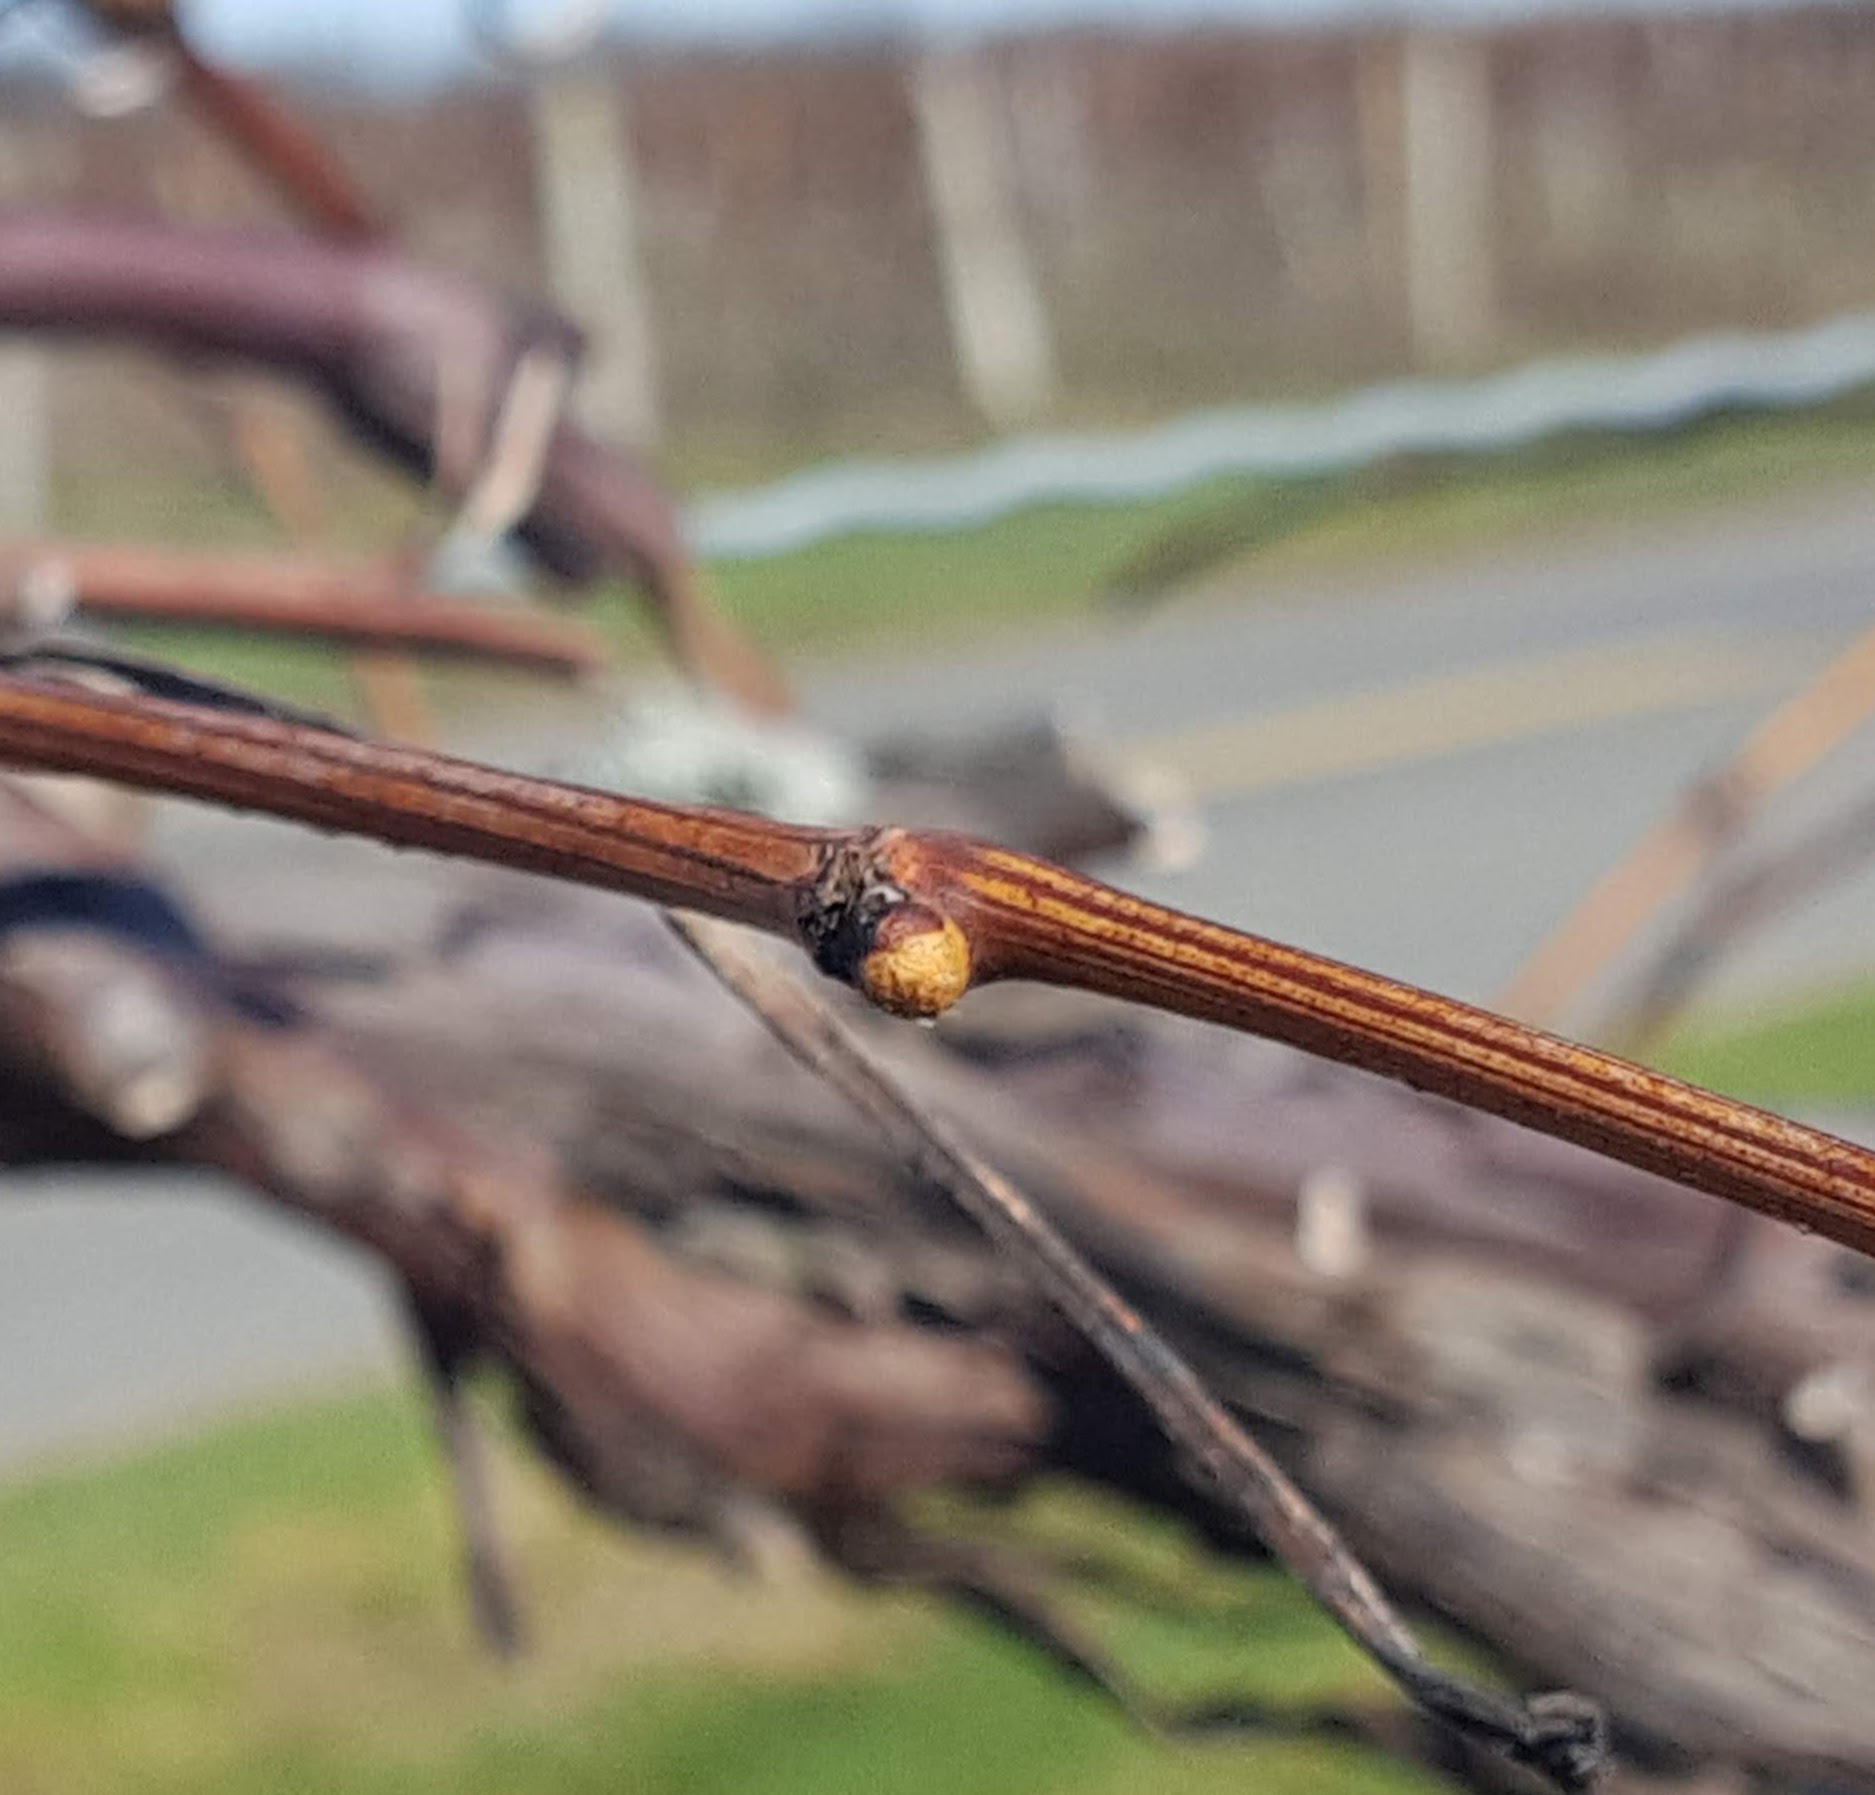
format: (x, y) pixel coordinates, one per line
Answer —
(1577, 143)
(1451, 275)
(25, 395)
(25, 439)
(588, 206)
(999, 326)
(1381, 128)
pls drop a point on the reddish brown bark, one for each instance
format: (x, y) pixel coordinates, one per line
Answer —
(915, 920)
(366, 605)
(384, 341)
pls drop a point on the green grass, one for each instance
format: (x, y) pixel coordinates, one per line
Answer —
(272, 1607)
(1818, 1053)
(1059, 563)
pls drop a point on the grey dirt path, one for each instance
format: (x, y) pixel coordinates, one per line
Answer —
(1446, 867)
(1417, 775)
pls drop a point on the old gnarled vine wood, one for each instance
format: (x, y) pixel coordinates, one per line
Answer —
(1557, 1733)
(915, 920)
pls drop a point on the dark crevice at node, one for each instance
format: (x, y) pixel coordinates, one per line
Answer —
(840, 918)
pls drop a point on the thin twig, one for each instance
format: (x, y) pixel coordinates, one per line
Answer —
(279, 146)
(267, 136)
(1711, 813)
(365, 605)
(63, 657)
(915, 920)
(1003, 1586)
(376, 335)
(1561, 1736)
(445, 1353)
(1740, 903)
